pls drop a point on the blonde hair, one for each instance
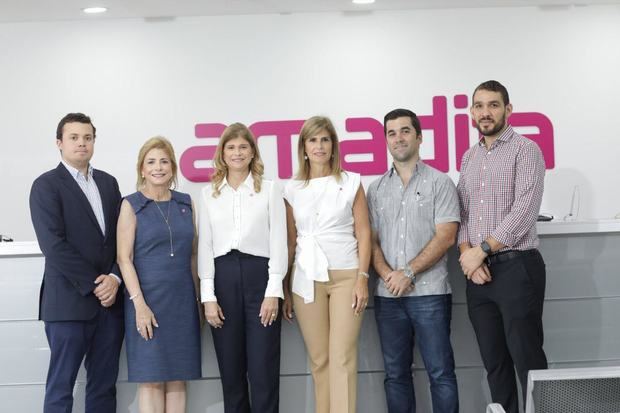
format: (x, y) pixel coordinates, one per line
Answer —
(310, 128)
(157, 142)
(236, 130)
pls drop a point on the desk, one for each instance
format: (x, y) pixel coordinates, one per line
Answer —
(581, 329)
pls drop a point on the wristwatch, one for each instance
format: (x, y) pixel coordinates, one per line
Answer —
(409, 273)
(486, 248)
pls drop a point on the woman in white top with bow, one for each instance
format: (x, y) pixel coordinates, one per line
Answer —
(329, 245)
(242, 260)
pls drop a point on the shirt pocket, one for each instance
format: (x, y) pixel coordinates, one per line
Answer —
(384, 211)
(424, 205)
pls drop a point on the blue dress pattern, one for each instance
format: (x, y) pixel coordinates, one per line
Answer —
(168, 289)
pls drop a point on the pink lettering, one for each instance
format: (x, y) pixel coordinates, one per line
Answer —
(438, 123)
(375, 146)
(193, 154)
(284, 131)
(544, 137)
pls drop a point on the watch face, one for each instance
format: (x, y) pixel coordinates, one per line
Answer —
(486, 247)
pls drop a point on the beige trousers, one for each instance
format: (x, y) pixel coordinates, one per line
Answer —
(330, 330)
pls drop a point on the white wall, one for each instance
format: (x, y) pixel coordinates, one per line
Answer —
(137, 79)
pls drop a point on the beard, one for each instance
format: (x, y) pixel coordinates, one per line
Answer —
(403, 156)
(494, 130)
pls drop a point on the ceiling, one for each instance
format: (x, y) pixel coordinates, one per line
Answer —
(51, 10)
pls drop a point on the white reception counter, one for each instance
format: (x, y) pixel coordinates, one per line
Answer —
(581, 329)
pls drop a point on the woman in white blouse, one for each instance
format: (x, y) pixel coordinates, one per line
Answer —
(329, 244)
(242, 260)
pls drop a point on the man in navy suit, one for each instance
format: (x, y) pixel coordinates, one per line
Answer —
(74, 210)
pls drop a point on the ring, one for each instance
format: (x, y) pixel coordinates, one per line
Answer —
(138, 329)
(274, 315)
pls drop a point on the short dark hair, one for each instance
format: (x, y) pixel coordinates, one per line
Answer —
(70, 118)
(402, 113)
(493, 86)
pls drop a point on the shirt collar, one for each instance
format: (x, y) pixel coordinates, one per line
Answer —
(418, 168)
(249, 182)
(505, 136)
(76, 173)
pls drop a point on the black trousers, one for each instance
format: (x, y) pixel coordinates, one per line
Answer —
(246, 349)
(506, 314)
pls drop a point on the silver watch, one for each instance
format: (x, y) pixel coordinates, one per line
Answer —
(409, 273)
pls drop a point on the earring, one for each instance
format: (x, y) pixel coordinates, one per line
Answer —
(306, 157)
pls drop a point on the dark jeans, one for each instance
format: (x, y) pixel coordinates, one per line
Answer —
(506, 314)
(428, 319)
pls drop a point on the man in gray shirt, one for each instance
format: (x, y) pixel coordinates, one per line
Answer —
(414, 212)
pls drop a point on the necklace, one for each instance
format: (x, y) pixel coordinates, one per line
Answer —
(167, 221)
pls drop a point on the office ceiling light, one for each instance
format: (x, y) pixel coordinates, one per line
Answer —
(94, 10)
(363, 1)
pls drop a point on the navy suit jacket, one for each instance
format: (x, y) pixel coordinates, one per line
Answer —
(76, 251)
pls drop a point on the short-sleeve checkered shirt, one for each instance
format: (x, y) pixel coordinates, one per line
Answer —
(500, 191)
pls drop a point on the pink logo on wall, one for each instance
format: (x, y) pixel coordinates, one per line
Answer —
(437, 122)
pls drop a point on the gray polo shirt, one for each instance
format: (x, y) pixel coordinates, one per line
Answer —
(405, 218)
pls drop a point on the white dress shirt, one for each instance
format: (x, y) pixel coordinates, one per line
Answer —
(323, 212)
(244, 220)
(89, 187)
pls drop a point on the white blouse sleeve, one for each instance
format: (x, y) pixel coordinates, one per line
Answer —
(206, 265)
(278, 250)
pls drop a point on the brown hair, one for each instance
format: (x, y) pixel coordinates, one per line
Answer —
(236, 130)
(311, 127)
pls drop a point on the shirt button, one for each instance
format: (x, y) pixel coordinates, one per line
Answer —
(402, 252)
(484, 167)
(402, 236)
(403, 202)
(479, 235)
(489, 152)
(480, 218)
(483, 184)
(482, 201)
(421, 204)
(402, 219)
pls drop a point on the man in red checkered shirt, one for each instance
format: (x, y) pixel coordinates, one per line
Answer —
(500, 190)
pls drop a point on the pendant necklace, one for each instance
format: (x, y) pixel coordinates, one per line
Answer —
(167, 221)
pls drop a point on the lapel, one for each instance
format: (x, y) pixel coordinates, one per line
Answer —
(77, 192)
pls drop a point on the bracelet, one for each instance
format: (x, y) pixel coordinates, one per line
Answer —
(133, 296)
(364, 274)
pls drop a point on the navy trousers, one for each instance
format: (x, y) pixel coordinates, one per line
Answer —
(246, 349)
(98, 342)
